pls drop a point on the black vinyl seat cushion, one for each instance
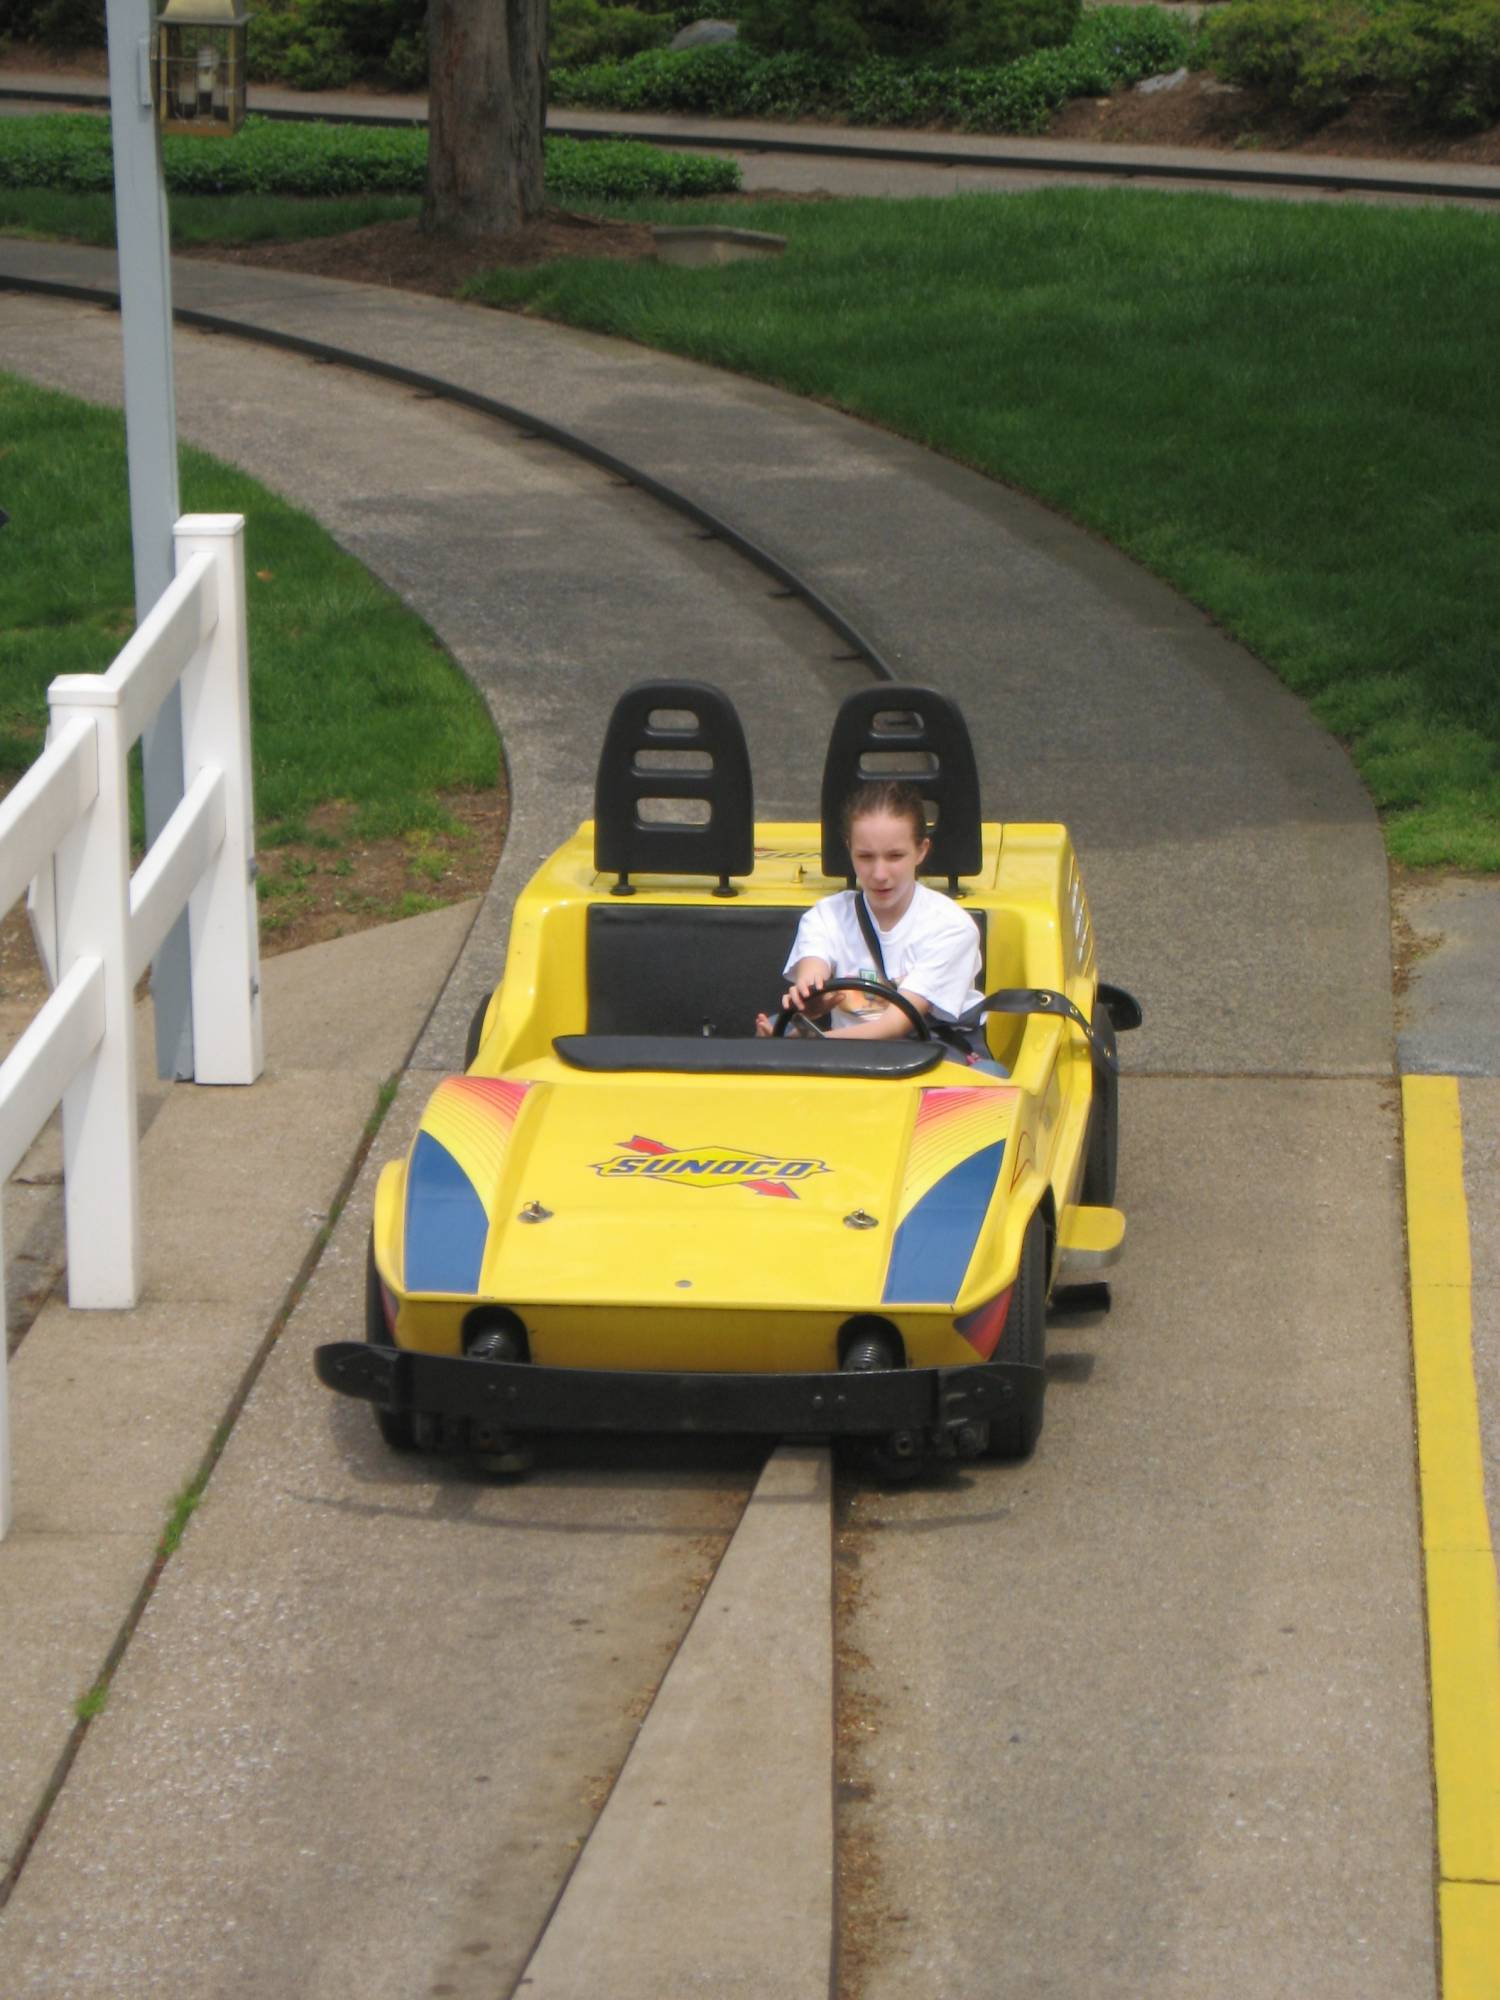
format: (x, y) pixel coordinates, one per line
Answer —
(685, 970)
(689, 969)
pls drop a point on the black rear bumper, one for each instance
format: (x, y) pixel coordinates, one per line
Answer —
(514, 1396)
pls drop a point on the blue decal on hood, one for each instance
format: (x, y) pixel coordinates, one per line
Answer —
(933, 1246)
(446, 1226)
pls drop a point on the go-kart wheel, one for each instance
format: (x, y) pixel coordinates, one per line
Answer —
(877, 990)
(1102, 1148)
(395, 1426)
(1014, 1434)
(895, 1468)
(476, 1029)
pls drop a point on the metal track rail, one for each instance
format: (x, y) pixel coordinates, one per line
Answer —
(1317, 180)
(702, 517)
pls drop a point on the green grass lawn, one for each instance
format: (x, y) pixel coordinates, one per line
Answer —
(200, 218)
(362, 725)
(1286, 410)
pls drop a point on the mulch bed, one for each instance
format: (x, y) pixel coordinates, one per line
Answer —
(1202, 112)
(398, 254)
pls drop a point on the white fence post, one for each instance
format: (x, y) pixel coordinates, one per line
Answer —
(227, 1039)
(101, 1186)
(66, 827)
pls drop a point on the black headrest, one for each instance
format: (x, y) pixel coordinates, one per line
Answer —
(669, 745)
(919, 737)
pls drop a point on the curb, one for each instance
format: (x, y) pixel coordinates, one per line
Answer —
(1324, 182)
(710, 1868)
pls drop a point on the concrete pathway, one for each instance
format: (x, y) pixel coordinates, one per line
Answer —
(114, 1414)
(1189, 1632)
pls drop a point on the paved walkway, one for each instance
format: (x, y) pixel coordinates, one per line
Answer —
(1211, 1650)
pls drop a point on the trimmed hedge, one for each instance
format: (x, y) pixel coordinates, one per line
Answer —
(264, 157)
(1314, 57)
(72, 152)
(1112, 45)
(627, 170)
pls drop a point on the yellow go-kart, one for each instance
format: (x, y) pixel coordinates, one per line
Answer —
(629, 1214)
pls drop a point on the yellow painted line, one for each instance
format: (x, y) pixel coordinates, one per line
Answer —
(1463, 1607)
(1470, 1916)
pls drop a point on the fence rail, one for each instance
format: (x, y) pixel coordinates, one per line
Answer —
(65, 831)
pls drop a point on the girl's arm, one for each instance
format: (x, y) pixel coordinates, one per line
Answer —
(889, 1025)
(804, 995)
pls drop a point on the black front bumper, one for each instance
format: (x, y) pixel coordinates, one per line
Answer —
(515, 1396)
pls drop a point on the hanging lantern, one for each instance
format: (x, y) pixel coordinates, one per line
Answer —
(200, 67)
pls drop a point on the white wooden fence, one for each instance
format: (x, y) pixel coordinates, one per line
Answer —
(65, 829)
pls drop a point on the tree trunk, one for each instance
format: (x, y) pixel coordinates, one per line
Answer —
(487, 105)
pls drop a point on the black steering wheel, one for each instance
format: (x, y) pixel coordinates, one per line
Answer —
(876, 990)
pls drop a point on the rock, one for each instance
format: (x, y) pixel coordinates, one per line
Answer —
(697, 245)
(703, 34)
(1149, 85)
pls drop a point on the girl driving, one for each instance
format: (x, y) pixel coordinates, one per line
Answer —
(920, 942)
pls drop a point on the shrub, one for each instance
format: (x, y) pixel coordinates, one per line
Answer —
(972, 32)
(833, 30)
(982, 32)
(1112, 45)
(1445, 57)
(1313, 57)
(406, 61)
(329, 44)
(584, 31)
(1301, 53)
(267, 157)
(56, 24)
(727, 80)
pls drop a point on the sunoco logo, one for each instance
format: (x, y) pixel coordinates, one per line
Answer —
(710, 1166)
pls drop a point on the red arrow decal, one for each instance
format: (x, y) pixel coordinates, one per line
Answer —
(640, 1145)
(773, 1187)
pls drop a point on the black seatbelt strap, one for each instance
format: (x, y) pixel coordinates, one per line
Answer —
(871, 935)
(1041, 1000)
(1009, 1000)
(965, 1036)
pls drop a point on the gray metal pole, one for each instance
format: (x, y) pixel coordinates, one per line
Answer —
(151, 447)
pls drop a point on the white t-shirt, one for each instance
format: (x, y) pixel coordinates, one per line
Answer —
(931, 950)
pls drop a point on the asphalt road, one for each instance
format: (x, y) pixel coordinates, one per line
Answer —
(1145, 1715)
